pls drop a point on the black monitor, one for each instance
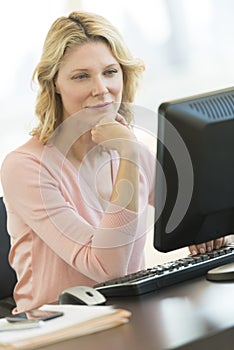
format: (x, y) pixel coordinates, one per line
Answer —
(194, 197)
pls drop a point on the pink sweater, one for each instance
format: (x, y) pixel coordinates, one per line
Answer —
(61, 236)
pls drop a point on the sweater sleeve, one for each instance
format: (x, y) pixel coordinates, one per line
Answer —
(148, 170)
(35, 195)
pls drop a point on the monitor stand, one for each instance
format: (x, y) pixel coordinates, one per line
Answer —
(222, 273)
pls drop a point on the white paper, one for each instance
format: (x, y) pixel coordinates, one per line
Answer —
(73, 315)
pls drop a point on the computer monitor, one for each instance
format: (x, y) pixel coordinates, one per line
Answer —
(194, 197)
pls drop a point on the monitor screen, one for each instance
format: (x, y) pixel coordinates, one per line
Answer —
(194, 191)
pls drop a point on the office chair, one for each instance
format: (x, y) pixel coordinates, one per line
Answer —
(7, 274)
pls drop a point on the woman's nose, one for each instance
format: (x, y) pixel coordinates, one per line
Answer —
(99, 86)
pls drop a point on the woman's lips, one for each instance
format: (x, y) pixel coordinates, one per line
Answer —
(101, 105)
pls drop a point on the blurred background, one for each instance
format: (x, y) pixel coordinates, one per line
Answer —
(187, 46)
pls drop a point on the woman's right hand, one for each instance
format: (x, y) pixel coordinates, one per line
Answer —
(114, 134)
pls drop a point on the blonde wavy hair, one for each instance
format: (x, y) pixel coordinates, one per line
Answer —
(66, 32)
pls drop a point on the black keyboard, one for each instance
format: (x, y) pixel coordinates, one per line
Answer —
(166, 274)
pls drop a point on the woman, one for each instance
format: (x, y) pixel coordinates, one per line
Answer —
(75, 191)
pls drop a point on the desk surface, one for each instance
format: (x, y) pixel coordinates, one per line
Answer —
(197, 314)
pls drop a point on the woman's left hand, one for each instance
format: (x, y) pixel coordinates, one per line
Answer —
(206, 247)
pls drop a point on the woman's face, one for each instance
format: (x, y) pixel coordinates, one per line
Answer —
(89, 77)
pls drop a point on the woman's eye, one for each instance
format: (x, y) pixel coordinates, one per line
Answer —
(111, 72)
(80, 76)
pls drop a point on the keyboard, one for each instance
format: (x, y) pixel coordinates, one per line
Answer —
(166, 274)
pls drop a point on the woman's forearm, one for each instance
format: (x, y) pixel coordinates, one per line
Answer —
(126, 189)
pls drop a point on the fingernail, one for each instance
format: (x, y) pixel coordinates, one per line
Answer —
(194, 252)
(202, 250)
(209, 249)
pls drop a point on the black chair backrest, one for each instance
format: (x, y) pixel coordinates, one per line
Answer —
(7, 274)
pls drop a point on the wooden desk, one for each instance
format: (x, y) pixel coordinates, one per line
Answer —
(194, 315)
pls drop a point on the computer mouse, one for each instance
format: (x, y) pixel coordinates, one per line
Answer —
(222, 273)
(81, 295)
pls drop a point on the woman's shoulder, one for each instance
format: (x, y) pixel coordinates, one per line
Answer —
(32, 149)
(32, 146)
